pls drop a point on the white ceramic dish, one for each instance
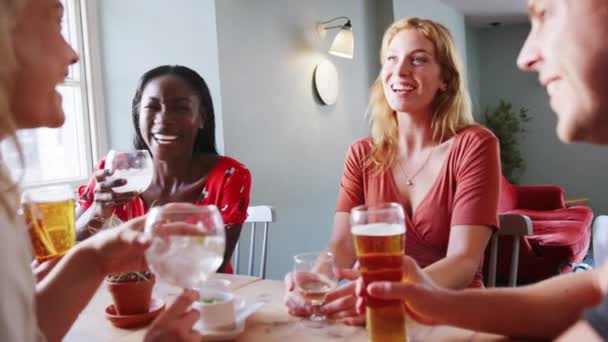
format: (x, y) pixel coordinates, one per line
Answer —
(242, 310)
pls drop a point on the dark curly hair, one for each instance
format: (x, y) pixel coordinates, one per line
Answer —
(205, 138)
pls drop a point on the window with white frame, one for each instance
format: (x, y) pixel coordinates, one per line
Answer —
(66, 154)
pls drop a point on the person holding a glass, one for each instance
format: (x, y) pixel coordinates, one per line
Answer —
(314, 277)
(379, 238)
(35, 58)
(567, 48)
(426, 154)
(174, 120)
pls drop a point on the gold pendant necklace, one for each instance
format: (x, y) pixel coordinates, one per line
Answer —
(410, 180)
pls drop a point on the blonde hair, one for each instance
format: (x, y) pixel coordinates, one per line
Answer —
(9, 10)
(451, 108)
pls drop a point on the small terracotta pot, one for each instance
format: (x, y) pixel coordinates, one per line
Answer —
(131, 297)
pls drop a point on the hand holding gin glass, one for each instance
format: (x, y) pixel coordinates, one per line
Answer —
(135, 167)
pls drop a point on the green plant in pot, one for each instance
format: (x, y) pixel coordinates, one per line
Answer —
(131, 291)
(508, 125)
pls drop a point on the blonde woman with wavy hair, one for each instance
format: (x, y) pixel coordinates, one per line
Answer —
(34, 59)
(451, 107)
(8, 196)
(426, 153)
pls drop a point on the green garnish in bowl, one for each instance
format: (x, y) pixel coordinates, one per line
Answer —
(211, 300)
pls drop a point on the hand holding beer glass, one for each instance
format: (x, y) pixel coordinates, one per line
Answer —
(314, 276)
(49, 217)
(379, 237)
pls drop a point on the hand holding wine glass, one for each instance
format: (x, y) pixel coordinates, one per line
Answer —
(314, 276)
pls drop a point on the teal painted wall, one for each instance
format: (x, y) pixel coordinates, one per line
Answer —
(474, 67)
(580, 169)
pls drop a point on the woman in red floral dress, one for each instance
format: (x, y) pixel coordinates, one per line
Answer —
(174, 119)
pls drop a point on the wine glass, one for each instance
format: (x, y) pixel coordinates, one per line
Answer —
(135, 166)
(185, 257)
(314, 276)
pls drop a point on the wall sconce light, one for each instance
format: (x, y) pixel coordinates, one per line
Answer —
(326, 82)
(343, 44)
(325, 77)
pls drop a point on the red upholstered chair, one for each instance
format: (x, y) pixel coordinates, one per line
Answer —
(560, 235)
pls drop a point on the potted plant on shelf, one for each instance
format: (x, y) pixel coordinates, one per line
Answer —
(131, 291)
(508, 126)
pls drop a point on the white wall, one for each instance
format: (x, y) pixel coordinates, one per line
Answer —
(294, 146)
(138, 35)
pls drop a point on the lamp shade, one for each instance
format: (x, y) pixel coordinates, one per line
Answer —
(343, 44)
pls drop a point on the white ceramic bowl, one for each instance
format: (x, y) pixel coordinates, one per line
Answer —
(220, 315)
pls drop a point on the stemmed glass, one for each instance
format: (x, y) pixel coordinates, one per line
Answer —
(314, 276)
(135, 167)
(188, 243)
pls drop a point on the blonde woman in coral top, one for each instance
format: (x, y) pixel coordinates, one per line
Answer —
(426, 153)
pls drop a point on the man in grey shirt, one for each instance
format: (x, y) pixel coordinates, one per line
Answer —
(597, 318)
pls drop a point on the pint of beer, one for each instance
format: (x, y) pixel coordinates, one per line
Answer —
(49, 216)
(379, 236)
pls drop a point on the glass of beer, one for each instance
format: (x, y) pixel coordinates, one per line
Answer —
(379, 236)
(49, 216)
(314, 276)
